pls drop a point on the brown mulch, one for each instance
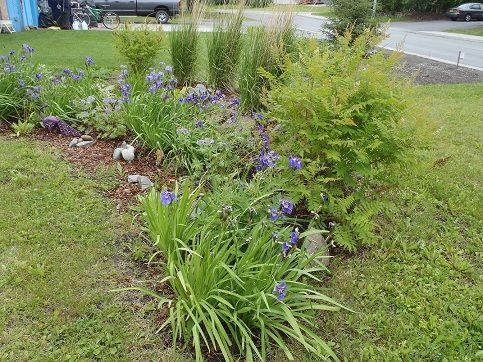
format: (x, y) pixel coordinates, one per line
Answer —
(99, 156)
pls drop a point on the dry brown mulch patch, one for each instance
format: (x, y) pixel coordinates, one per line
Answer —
(99, 155)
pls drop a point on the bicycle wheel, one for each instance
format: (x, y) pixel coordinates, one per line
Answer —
(81, 16)
(110, 20)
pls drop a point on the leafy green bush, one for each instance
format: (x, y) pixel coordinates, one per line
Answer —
(340, 111)
(224, 47)
(139, 47)
(235, 290)
(353, 16)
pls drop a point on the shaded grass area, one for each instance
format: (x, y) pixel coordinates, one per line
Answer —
(58, 260)
(419, 295)
(469, 31)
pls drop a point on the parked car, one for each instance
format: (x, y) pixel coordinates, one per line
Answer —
(466, 12)
(162, 10)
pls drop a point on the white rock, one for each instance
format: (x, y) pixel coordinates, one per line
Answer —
(144, 182)
(85, 144)
(127, 154)
(117, 154)
(132, 179)
(74, 142)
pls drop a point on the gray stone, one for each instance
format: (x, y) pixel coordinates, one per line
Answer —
(86, 137)
(117, 154)
(132, 179)
(144, 182)
(74, 142)
(316, 243)
(127, 154)
(85, 144)
(199, 89)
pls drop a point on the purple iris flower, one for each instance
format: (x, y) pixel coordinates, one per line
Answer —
(275, 235)
(200, 124)
(23, 58)
(294, 162)
(286, 206)
(21, 82)
(67, 71)
(168, 69)
(257, 116)
(268, 158)
(167, 197)
(273, 213)
(233, 102)
(89, 61)
(285, 248)
(39, 75)
(294, 237)
(27, 49)
(280, 290)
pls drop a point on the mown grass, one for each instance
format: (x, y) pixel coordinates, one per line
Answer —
(469, 31)
(58, 260)
(419, 294)
(68, 48)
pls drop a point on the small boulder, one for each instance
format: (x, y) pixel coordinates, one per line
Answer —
(117, 154)
(144, 182)
(132, 179)
(128, 154)
(86, 137)
(316, 243)
(85, 144)
(74, 142)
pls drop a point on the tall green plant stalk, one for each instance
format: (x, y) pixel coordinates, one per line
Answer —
(224, 48)
(255, 55)
(266, 49)
(184, 45)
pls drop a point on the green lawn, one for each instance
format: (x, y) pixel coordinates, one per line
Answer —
(68, 48)
(419, 294)
(60, 254)
(470, 31)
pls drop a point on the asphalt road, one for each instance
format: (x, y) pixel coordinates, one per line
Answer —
(422, 38)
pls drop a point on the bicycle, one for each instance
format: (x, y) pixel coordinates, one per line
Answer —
(109, 19)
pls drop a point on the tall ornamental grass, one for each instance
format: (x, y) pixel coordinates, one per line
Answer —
(266, 49)
(184, 45)
(224, 48)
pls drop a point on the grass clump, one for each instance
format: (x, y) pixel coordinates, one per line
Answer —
(224, 48)
(265, 49)
(184, 45)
